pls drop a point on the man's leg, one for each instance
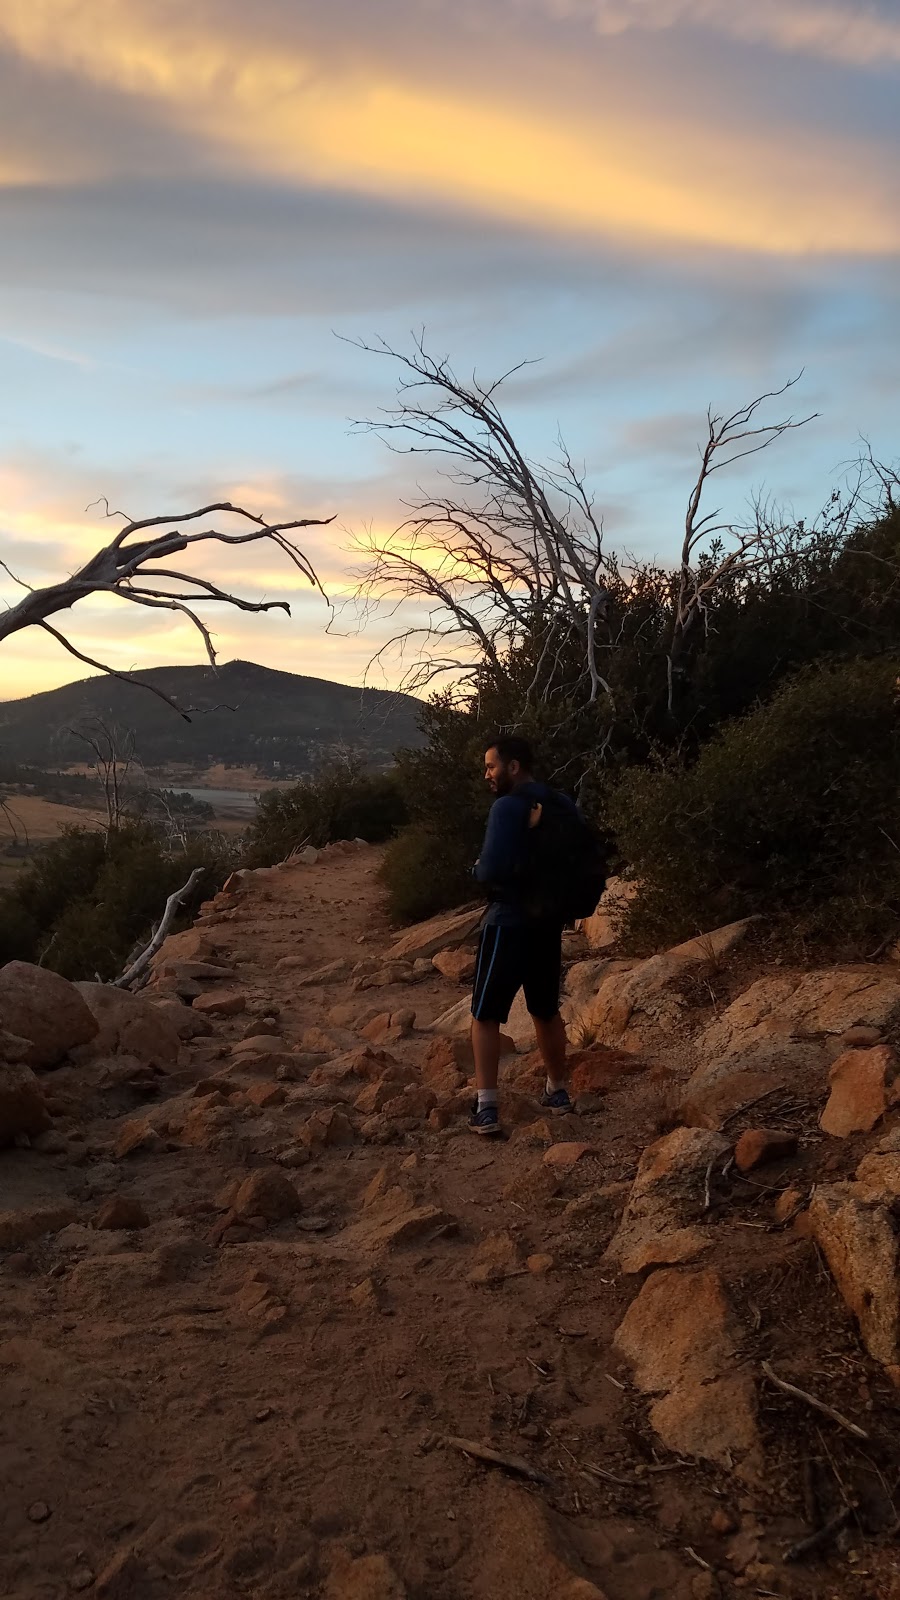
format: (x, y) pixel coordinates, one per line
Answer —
(552, 1043)
(542, 986)
(495, 985)
(486, 1050)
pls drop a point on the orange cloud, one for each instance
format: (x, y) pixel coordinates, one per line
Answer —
(369, 130)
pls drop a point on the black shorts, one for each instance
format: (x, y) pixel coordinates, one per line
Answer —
(510, 959)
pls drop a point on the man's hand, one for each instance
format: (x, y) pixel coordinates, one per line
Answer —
(535, 814)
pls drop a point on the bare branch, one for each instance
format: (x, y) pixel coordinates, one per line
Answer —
(137, 967)
(128, 568)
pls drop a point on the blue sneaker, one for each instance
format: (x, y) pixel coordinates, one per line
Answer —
(557, 1100)
(486, 1121)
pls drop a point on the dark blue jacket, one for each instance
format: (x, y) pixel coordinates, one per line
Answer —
(504, 848)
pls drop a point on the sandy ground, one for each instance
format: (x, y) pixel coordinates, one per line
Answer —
(265, 1411)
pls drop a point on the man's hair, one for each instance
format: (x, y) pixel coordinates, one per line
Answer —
(510, 747)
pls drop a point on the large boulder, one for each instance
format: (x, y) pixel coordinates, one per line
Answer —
(601, 929)
(22, 1108)
(681, 1339)
(45, 1009)
(661, 1223)
(629, 1003)
(127, 1024)
(854, 1228)
(427, 938)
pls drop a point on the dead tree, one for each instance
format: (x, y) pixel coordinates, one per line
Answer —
(140, 565)
(112, 755)
(731, 551)
(513, 551)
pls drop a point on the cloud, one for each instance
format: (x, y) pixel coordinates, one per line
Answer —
(863, 35)
(270, 106)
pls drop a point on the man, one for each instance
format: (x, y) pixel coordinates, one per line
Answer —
(516, 950)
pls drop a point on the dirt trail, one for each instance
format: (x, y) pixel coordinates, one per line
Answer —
(263, 1411)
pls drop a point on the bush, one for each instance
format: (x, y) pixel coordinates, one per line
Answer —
(84, 903)
(342, 801)
(425, 872)
(791, 812)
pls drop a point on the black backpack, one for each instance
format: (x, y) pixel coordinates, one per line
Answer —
(563, 874)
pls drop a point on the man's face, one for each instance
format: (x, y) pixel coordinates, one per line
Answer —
(499, 775)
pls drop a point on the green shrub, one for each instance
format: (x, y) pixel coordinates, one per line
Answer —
(791, 812)
(426, 872)
(342, 801)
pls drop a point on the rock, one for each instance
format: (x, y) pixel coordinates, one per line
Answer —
(367, 1296)
(40, 1006)
(660, 1224)
(188, 1023)
(498, 1256)
(191, 945)
(364, 1578)
(221, 1003)
(855, 1233)
(781, 1018)
(331, 972)
(327, 1127)
(375, 1096)
(137, 1137)
(255, 1043)
(20, 1227)
(563, 1157)
(391, 1218)
(39, 1511)
(758, 1145)
(265, 1028)
(863, 1084)
(389, 1027)
(121, 1211)
(22, 1106)
(680, 1338)
(457, 965)
(268, 1194)
(533, 1133)
(854, 1038)
(599, 930)
(879, 1170)
(599, 1068)
(539, 1264)
(715, 1094)
(266, 1095)
(533, 1553)
(448, 1062)
(128, 1024)
(427, 938)
(626, 1003)
(787, 1204)
(12, 1046)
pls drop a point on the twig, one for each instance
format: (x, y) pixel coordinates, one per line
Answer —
(690, 1551)
(822, 1535)
(707, 1193)
(819, 1405)
(484, 1452)
(779, 1089)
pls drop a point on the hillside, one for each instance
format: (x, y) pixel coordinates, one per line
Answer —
(242, 715)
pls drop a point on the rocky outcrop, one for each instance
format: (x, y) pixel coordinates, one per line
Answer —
(601, 930)
(628, 1004)
(660, 1224)
(855, 1229)
(682, 1342)
(45, 1009)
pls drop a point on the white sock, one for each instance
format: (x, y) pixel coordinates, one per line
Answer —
(553, 1087)
(486, 1097)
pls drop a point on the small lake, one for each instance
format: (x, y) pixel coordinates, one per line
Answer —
(236, 802)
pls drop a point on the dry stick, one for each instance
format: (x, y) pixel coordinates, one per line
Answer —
(779, 1089)
(483, 1452)
(820, 1537)
(168, 917)
(819, 1405)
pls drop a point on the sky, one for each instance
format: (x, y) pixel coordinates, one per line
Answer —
(664, 204)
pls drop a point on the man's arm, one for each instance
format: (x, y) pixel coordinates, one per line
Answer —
(502, 848)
